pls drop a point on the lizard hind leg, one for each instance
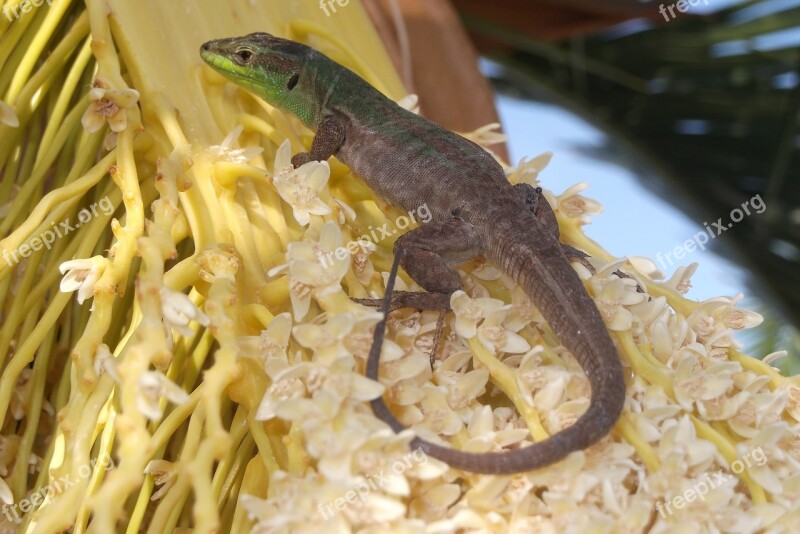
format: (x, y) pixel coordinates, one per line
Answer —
(534, 199)
(428, 254)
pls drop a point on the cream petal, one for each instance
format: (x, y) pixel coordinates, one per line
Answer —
(104, 361)
(364, 389)
(336, 466)
(97, 93)
(647, 429)
(318, 207)
(266, 409)
(6, 495)
(486, 135)
(511, 436)
(645, 266)
(394, 481)
(147, 397)
(551, 394)
(383, 508)
(291, 410)
(405, 368)
(283, 157)
(662, 341)
(79, 264)
(330, 236)
(391, 351)
(741, 319)
(277, 270)
(621, 322)
(70, 283)
(300, 305)
(232, 138)
(465, 328)
(86, 290)
(316, 175)
(348, 212)
(443, 495)
(482, 422)
(773, 357)
(118, 121)
(8, 116)
(307, 272)
(468, 387)
(515, 344)
(767, 479)
(127, 97)
(410, 102)
(301, 215)
(151, 386)
(527, 171)
(459, 300)
(308, 335)
(92, 121)
(430, 469)
(172, 391)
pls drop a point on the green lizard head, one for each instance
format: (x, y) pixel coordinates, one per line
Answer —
(278, 70)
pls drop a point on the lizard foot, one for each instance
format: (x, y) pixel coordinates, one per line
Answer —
(421, 300)
(573, 254)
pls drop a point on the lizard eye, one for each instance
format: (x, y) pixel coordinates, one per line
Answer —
(243, 56)
(293, 81)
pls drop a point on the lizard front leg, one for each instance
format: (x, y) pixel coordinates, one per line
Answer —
(329, 138)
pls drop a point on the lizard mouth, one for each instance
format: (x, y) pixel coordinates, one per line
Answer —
(212, 53)
(216, 58)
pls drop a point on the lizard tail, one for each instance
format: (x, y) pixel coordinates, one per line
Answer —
(558, 292)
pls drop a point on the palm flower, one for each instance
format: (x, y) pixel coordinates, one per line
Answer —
(257, 417)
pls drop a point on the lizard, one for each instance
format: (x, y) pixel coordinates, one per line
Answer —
(408, 160)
